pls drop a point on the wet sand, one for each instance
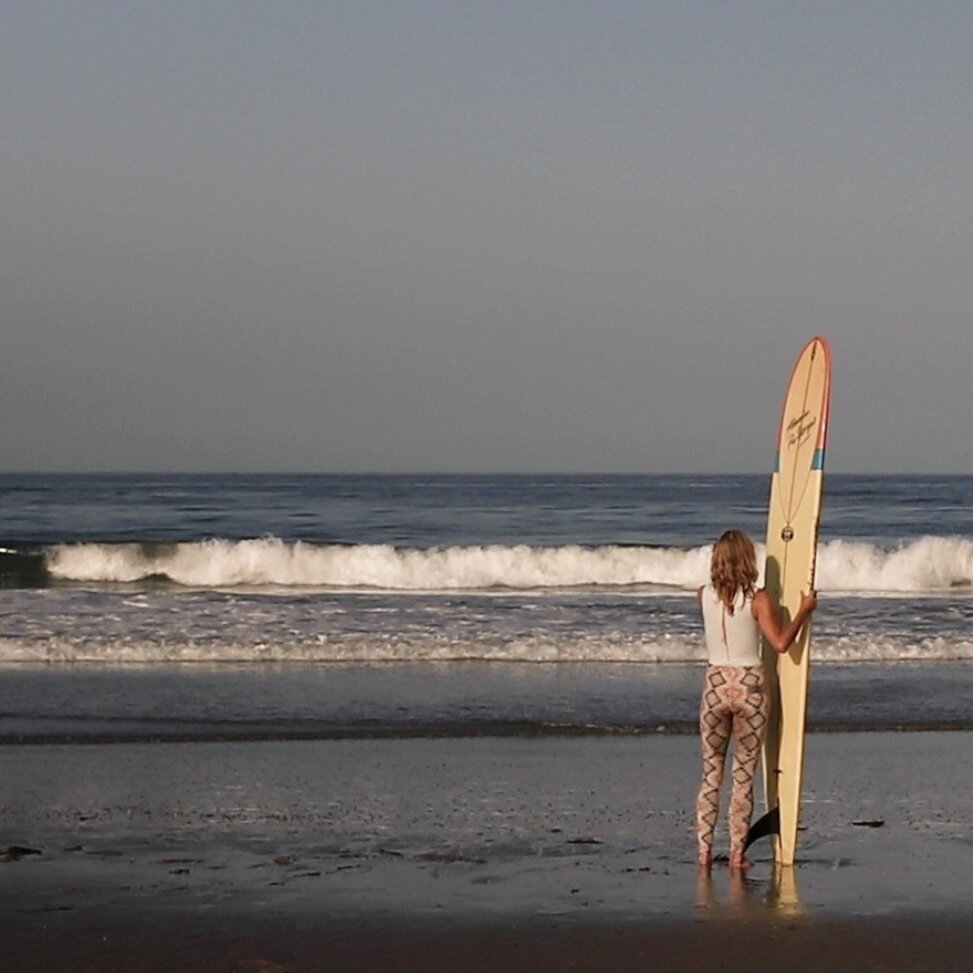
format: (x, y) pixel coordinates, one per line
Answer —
(275, 946)
(490, 854)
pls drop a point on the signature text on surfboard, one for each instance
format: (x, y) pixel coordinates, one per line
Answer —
(799, 429)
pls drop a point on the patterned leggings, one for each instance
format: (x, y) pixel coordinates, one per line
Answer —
(734, 703)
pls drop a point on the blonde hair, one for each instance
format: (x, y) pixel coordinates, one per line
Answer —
(734, 567)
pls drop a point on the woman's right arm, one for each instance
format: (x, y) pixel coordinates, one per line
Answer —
(765, 611)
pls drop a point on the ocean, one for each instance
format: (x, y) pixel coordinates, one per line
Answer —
(144, 607)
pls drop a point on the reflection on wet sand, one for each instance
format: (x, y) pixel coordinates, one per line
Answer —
(740, 895)
(782, 894)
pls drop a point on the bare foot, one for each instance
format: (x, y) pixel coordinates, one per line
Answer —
(705, 859)
(739, 863)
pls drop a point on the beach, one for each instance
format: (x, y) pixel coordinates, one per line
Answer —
(488, 853)
(267, 723)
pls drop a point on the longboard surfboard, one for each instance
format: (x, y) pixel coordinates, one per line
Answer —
(793, 516)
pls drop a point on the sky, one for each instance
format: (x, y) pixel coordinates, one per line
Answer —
(508, 236)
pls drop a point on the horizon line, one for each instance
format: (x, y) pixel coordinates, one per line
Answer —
(452, 473)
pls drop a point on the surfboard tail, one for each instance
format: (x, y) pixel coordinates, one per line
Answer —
(768, 825)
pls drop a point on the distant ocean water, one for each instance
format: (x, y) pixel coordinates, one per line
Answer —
(593, 573)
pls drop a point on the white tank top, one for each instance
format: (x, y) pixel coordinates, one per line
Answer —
(731, 640)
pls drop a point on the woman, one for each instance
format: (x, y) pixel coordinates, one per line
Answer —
(734, 702)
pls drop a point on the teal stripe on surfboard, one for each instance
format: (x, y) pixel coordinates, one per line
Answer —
(817, 460)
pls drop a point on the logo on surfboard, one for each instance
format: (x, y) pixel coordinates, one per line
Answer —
(787, 533)
(800, 428)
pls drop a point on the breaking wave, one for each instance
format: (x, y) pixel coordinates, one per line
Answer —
(270, 561)
(927, 565)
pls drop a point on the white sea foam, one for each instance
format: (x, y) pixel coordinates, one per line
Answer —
(348, 649)
(927, 565)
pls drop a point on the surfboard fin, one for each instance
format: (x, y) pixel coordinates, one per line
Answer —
(767, 825)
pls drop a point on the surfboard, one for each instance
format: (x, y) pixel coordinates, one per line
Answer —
(793, 515)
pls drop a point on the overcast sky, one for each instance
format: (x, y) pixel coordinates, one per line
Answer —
(529, 235)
